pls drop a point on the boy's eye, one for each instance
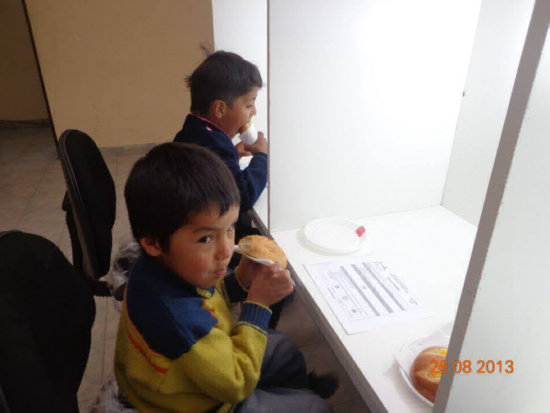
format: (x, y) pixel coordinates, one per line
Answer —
(231, 227)
(206, 239)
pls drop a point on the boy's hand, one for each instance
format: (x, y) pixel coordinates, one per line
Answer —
(241, 151)
(247, 270)
(270, 285)
(259, 146)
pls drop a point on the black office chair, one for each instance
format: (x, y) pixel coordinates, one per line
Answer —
(90, 205)
(3, 403)
(46, 316)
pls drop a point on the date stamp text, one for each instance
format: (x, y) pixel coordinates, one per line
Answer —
(439, 367)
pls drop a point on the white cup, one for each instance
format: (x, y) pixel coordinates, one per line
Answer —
(249, 136)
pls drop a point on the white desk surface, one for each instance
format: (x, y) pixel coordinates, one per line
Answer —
(429, 249)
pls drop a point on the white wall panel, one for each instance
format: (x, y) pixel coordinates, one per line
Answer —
(364, 98)
(495, 58)
(504, 308)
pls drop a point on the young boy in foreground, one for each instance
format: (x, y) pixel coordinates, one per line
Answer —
(178, 348)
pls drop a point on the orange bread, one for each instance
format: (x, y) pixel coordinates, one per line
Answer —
(258, 246)
(244, 127)
(425, 374)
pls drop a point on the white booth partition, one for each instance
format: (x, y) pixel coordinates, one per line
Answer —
(504, 305)
(390, 113)
(377, 114)
(364, 99)
(495, 58)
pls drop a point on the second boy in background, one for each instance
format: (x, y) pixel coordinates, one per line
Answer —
(223, 94)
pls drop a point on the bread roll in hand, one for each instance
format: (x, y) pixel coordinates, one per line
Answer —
(258, 246)
(244, 127)
(425, 374)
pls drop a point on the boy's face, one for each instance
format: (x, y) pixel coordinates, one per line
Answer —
(238, 113)
(201, 250)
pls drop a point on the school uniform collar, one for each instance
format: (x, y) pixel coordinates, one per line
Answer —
(209, 124)
(205, 293)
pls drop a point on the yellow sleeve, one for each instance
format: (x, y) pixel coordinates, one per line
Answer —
(227, 367)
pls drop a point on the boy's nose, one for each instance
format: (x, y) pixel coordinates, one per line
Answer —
(253, 110)
(225, 248)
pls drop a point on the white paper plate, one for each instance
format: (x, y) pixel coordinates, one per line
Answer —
(406, 356)
(336, 235)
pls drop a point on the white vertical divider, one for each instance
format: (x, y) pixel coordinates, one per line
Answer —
(504, 309)
(495, 57)
(364, 98)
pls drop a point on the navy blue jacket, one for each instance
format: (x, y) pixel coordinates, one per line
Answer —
(251, 180)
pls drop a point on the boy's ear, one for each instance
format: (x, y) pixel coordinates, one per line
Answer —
(150, 246)
(219, 108)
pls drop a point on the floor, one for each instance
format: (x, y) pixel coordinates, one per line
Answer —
(32, 187)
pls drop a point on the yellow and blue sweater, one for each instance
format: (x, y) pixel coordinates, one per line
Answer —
(178, 348)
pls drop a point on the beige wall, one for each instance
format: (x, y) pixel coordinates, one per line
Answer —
(116, 69)
(20, 91)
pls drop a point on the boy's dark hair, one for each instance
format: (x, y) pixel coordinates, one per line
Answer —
(222, 75)
(172, 182)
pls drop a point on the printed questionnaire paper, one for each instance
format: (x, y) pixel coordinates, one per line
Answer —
(365, 294)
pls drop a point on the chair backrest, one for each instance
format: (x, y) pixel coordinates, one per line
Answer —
(46, 315)
(92, 198)
(3, 403)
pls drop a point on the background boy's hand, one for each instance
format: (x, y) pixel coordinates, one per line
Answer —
(241, 151)
(270, 285)
(259, 146)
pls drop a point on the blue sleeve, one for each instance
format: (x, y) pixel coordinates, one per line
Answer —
(251, 180)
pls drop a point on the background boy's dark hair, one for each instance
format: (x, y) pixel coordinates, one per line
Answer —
(172, 182)
(222, 75)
